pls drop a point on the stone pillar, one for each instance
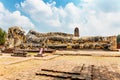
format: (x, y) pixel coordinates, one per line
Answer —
(113, 40)
(76, 32)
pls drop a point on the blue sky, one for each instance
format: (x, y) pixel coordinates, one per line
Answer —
(10, 4)
(62, 2)
(93, 17)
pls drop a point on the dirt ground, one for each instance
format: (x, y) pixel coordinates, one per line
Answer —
(24, 68)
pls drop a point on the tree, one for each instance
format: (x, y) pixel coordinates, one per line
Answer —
(118, 38)
(2, 36)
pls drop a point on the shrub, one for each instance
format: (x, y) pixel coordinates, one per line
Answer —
(2, 36)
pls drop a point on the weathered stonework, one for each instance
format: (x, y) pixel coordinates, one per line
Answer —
(76, 32)
(15, 37)
(71, 42)
(57, 40)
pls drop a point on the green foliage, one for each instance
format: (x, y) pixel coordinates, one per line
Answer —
(118, 38)
(2, 36)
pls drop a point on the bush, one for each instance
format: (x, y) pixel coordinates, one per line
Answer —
(2, 36)
(118, 38)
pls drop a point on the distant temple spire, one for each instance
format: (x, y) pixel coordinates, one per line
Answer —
(76, 32)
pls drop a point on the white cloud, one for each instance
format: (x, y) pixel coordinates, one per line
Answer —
(37, 8)
(93, 17)
(9, 19)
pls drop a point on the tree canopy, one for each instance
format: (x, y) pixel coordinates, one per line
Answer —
(2, 36)
(118, 38)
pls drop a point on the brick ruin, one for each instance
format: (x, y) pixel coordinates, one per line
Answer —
(70, 41)
(15, 37)
(76, 32)
(58, 40)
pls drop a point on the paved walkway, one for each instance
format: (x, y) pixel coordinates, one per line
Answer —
(90, 53)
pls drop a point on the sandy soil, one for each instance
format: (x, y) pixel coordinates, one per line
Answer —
(25, 70)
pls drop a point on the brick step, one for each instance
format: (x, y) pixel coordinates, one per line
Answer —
(55, 71)
(86, 72)
(73, 75)
(20, 54)
(59, 74)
